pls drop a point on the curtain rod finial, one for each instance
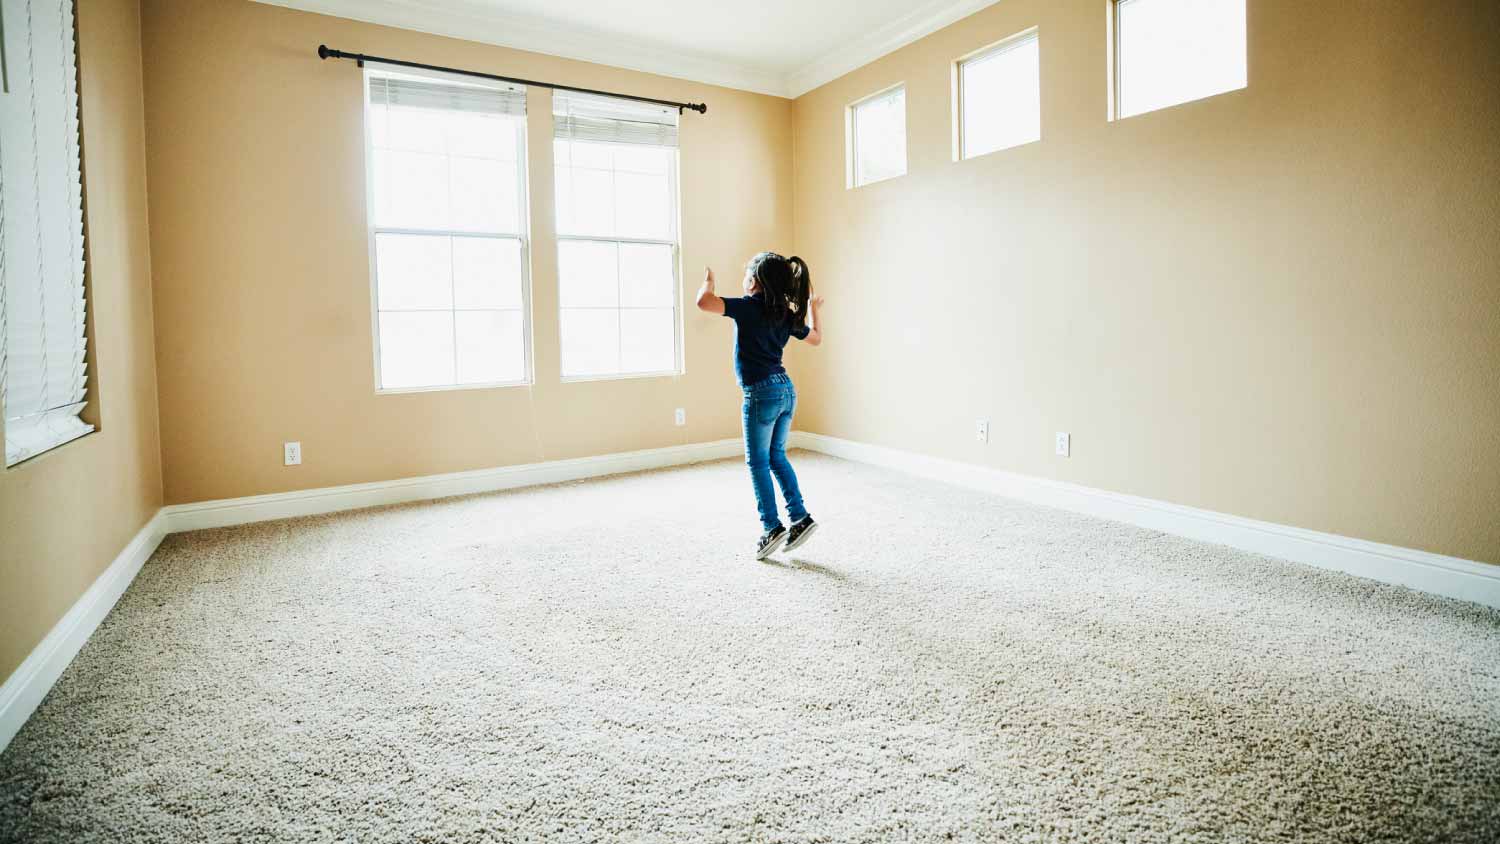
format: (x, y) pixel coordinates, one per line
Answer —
(322, 51)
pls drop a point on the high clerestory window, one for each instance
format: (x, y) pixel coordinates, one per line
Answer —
(1172, 51)
(876, 132)
(999, 96)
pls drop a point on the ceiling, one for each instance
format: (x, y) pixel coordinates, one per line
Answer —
(780, 47)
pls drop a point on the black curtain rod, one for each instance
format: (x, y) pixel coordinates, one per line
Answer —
(324, 52)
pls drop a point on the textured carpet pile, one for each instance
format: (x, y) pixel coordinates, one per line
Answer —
(602, 661)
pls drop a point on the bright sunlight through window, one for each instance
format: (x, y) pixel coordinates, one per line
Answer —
(616, 166)
(1173, 51)
(877, 138)
(447, 162)
(1000, 97)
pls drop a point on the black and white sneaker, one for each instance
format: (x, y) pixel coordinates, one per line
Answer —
(800, 533)
(769, 542)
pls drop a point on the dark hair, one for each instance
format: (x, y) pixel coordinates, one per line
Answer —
(785, 284)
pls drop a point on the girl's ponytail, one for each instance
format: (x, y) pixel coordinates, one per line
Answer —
(800, 292)
(785, 285)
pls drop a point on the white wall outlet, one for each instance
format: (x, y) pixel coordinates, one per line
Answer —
(1064, 444)
(982, 430)
(680, 417)
(292, 452)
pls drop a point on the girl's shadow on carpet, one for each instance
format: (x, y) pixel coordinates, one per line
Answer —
(799, 564)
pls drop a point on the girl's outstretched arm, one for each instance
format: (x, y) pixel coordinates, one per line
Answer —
(707, 299)
(815, 325)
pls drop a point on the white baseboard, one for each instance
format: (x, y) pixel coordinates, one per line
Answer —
(23, 690)
(308, 502)
(1441, 575)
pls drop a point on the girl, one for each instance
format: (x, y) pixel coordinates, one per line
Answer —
(778, 304)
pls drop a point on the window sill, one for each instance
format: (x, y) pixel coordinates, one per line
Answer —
(997, 150)
(878, 181)
(451, 388)
(57, 448)
(584, 379)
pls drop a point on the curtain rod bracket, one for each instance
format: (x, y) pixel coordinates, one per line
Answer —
(326, 52)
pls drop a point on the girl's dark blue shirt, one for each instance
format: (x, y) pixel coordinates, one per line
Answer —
(758, 341)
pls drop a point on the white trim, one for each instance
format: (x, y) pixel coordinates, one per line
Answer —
(918, 23)
(1436, 573)
(308, 502)
(24, 690)
(485, 25)
(490, 26)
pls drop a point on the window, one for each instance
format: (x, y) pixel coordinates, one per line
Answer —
(1172, 51)
(447, 232)
(616, 169)
(1000, 96)
(877, 137)
(43, 347)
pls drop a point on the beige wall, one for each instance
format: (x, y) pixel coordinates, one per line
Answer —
(262, 274)
(1282, 302)
(65, 515)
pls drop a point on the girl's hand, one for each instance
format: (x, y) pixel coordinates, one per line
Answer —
(817, 301)
(707, 301)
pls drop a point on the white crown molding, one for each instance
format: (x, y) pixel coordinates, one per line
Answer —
(918, 23)
(460, 20)
(1438, 574)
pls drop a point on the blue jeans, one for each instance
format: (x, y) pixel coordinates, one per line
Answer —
(768, 420)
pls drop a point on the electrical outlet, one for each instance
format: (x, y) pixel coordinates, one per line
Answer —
(982, 430)
(1064, 444)
(292, 453)
(680, 417)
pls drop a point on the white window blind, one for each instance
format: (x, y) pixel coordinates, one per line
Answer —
(408, 92)
(43, 368)
(616, 172)
(588, 117)
(447, 234)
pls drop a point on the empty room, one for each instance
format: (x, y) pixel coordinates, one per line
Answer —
(576, 421)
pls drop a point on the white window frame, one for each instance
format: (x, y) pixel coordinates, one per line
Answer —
(960, 153)
(523, 217)
(1116, 80)
(673, 181)
(851, 144)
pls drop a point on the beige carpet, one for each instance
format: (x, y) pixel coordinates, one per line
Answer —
(603, 661)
